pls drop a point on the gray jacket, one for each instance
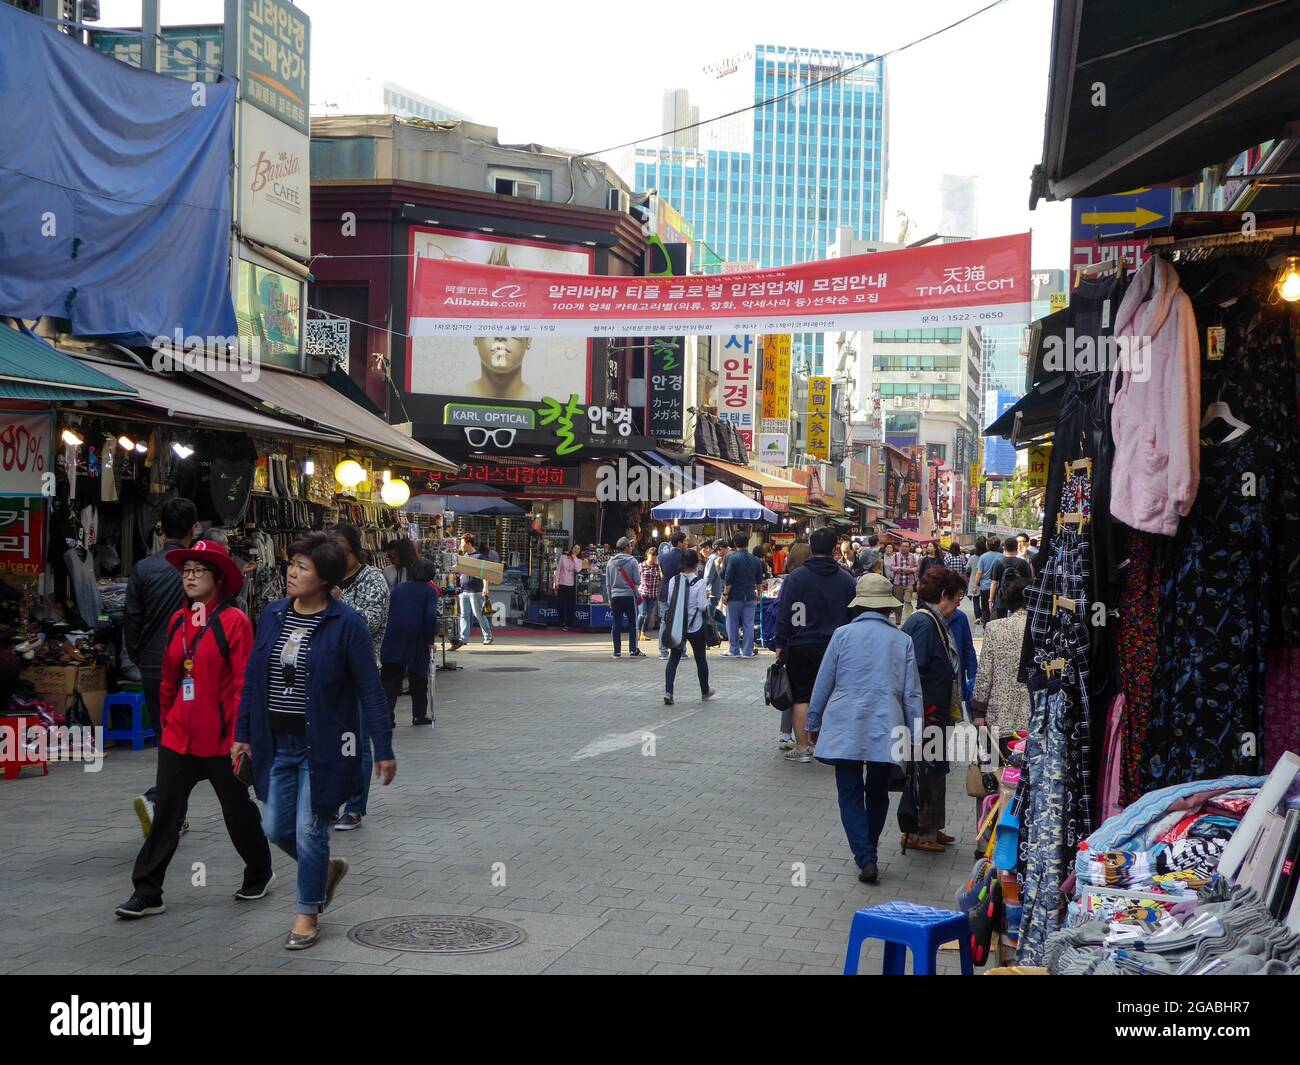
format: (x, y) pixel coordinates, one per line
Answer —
(618, 587)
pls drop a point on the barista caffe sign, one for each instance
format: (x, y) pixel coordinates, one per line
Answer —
(275, 197)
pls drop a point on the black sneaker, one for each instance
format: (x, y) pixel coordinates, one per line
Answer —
(668, 698)
(869, 874)
(422, 721)
(638, 653)
(347, 822)
(255, 889)
(135, 906)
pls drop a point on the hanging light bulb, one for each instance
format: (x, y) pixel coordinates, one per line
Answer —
(126, 443)
(655, 533)
(309, 467)
(141, 446)
(349, 473)
(395, 492)
(183, 451)
(71, 438)
(386, 476)
(1288, 280)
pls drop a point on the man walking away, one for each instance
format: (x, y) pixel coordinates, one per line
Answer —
(1010, 564)
(987, 559)
(740, 596)
(905, 566)
(153, 595)
(471, 595)
(622, 579)
(713, 571)
(814, 603)
(670, 564)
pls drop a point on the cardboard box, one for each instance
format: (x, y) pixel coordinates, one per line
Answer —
(57, 684)
(491, 572)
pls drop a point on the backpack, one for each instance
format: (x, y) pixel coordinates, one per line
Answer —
(214, 623)
(676, 616)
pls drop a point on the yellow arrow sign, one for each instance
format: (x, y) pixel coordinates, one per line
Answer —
(1139, 216)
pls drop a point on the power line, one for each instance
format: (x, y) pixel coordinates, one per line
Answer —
(798, 89)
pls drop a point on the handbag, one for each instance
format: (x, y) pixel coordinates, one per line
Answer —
(980, 782)
(712, 638)
(777, 692)
(909, 802)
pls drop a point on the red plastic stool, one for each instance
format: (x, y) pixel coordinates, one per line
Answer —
(13, 757)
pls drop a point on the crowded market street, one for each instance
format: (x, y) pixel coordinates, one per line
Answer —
(615, 862)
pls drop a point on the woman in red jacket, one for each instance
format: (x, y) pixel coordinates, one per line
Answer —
(208, 643)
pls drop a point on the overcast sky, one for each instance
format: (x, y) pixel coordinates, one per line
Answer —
(586, 75)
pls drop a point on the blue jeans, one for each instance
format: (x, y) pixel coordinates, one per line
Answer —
(864, 804)
(643, 615)
(289, 823)
(740, 616)
(357, 804)
(622, 607)
(471, 609)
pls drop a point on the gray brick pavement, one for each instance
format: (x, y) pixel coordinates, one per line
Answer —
(614, 861)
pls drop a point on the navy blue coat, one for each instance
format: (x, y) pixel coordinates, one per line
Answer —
(342, 679)
(825, 589)
(412, 626)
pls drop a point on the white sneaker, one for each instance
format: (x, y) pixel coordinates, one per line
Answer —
(784, 745)
(799, 754)
(728, 654)
(709, 694)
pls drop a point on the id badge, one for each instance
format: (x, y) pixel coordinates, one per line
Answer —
(187, 689)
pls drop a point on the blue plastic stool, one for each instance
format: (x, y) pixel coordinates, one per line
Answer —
(137, 733)
(905, 924)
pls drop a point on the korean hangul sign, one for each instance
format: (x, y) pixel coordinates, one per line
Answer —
(736, 390)
(970, 282)
(819, 418)
(604, 422)
(664, 396)
(776, 376)
(1040, 458)
(277, 48)
(913, 490)
(22, 535)
(24, 452)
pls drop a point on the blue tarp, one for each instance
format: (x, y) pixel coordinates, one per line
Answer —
(114, 191)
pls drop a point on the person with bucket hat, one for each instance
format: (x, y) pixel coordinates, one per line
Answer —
(866, 714)
(208, 644)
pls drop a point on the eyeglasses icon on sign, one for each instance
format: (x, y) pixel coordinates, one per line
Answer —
(478, 437)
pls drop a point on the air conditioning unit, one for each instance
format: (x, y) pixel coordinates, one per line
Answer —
(898, 401)
(618, 200)
(519, 187)
(913, 373)
(943, 377)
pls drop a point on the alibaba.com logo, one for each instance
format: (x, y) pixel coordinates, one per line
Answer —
(508, 292)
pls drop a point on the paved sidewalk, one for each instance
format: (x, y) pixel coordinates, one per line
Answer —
(614, 860)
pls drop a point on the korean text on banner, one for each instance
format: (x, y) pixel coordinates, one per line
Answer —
(819, 418)
(736, 405)
(776, 376)
(972, 282)
(277, 49)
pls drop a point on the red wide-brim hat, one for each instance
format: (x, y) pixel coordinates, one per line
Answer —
(212, 554)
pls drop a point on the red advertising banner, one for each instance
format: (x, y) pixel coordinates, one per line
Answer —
(22, 535)
(969, 282)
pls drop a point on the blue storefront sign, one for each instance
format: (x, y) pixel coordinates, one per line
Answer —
(595, 616)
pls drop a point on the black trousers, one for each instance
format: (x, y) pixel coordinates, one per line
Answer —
(177, 775)
(622, 608)
(391, 676)
(698, 643)
(567, 593)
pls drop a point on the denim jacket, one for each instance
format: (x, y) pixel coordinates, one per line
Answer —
(342, 683)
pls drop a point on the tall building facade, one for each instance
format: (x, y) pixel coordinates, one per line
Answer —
(771, 186)
(374, 96)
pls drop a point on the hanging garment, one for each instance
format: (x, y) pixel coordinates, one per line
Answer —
(108, 470)
(1281, 705)
(230, 484)
(1156, 402)
(1139, 607)
(84, 588)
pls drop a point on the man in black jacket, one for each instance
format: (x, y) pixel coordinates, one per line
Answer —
(153, 595)
(670, 564)
(814, 603)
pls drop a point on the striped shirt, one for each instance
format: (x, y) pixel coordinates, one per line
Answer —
(287, 703)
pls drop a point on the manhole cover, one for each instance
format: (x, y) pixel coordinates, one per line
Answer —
(441, 934)
(510, 669)
(500, 652)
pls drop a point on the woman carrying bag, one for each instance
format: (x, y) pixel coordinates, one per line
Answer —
(207, 650)
(686, 622)
(310, 679)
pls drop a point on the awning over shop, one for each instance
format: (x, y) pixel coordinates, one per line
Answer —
(776, 485)
(863, 500)
(1186, 86)
(656, 461)
(32, 369)
(312, 400)
(1034, 414)
(176, 396)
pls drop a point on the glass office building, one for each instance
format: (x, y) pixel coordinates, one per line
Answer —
(773, 185)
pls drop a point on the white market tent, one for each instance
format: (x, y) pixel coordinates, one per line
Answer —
(714, 501)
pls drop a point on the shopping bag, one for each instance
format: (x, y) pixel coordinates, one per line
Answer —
(777, 692)
(980, 782)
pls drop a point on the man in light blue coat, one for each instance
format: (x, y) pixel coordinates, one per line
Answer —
(867, 714)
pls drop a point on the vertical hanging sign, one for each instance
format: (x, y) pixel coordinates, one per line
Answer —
(666, 377)
(737, 403)
(819, 418)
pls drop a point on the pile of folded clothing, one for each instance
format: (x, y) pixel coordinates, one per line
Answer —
(1227, 930)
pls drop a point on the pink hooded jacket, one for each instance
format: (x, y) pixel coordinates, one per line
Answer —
(1156, 421)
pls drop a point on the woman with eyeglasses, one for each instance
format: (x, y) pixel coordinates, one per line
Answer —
(310, 679)
(208, 644)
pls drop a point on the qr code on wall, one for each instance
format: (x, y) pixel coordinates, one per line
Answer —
(328, 338)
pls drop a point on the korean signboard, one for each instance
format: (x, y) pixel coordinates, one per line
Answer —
(973, 282)
(1101, 216)
(912, 491)
(819, 418)
(736, 390)
(519, 479)
(274, 189)
(774, 448)
(191, 53)
(22, 535)
(277, 48)
(776, 376)
(667, 374)
(269, 310)
(24, 452)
